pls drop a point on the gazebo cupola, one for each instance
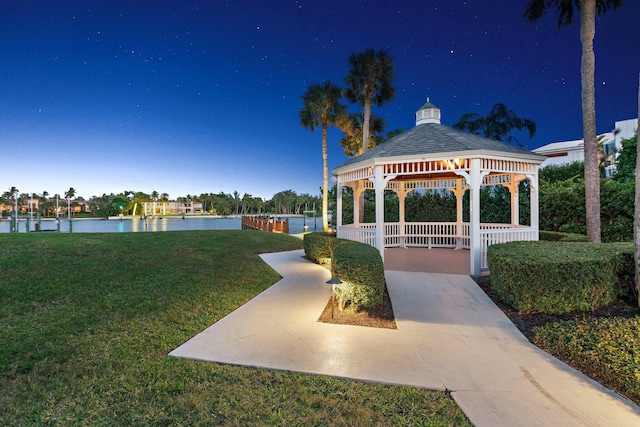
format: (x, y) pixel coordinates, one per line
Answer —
(428, 113)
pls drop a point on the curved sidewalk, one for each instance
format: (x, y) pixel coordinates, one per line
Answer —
(450, 336)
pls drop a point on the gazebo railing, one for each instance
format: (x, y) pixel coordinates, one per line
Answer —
(415, 234)
(364, 233)
(432, 235)
(438, 235)
(492, 236)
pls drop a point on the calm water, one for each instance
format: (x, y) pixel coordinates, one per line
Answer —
(296, 225)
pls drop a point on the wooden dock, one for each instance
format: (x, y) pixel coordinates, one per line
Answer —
(269, 224)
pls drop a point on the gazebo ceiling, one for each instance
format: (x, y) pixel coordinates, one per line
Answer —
(433, 177)
(426, 177)
(430, 140)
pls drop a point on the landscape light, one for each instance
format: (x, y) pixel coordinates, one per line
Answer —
(333, 282)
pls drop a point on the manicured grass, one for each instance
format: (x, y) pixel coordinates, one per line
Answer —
(87, 320)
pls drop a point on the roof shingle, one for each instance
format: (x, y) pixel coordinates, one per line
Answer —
(434, 138)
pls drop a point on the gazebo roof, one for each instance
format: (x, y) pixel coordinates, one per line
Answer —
(431, 139)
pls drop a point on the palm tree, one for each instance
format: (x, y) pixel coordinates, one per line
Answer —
(497, 125)
(57, 196)
(321, 107)
(351, 126)
(13, 194)
(43, 203)
(154, 197)
(636, 210)
(236, 199)
(69, 194)
(34, 196)
(588, 10)
(369, 82)
(393, 133)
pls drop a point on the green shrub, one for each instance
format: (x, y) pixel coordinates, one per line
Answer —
(360, 268)
(557, 236)
(609, 348)
(616, 210)
(624, 267)
(562, 207)
(555, 277)
(318, 246)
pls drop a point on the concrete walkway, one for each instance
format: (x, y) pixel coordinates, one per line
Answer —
(450, 336)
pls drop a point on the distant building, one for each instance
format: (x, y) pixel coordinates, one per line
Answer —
(564, 152)
(81, 206)
(171, 208)
(192, 208)
(32, 204)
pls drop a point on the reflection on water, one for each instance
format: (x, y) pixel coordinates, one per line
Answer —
(135, 225)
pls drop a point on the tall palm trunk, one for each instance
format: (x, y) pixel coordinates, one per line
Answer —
(325, 180)
(365, 124)
(365, 146)
(636, 213)
(591, 164)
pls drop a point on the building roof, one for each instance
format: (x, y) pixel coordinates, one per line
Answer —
(556, 147)
(575, 145)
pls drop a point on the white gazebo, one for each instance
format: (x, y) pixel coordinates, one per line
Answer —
(432, 156)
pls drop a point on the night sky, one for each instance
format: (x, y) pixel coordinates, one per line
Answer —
(189, 97)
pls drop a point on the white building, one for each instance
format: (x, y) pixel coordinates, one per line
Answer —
(171, 208)
(564, 152)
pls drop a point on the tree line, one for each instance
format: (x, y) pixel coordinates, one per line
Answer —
(282, 203)
(12, 200)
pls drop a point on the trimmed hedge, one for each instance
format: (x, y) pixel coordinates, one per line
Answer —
(558, 277)
(360, 268)
(625, 268)
(607, 349)
(318, 246)
(557, 236)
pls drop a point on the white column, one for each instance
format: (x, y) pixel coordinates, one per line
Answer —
(515, 205)
(459, 193)
(533, 197)
(402, 195)
(513, 187)
(474, 217)
(338, 205)
(357, 190)
(379, 184)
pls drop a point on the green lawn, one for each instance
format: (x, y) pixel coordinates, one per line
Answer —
(87, 320)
